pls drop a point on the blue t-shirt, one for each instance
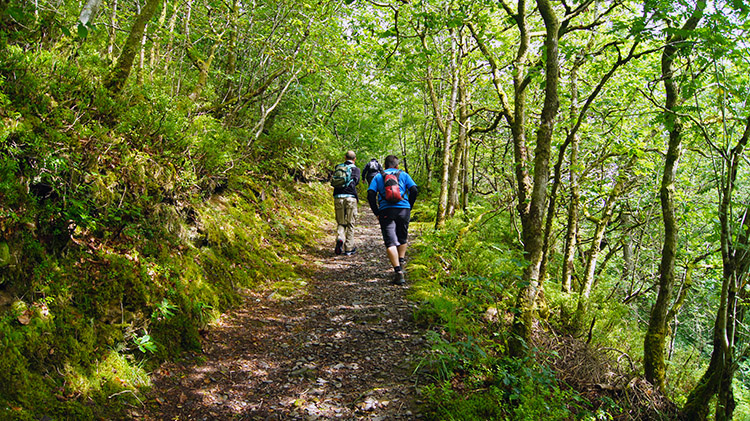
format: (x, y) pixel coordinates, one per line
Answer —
(404, 184)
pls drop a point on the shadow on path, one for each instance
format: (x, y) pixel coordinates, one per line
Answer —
(346, 350)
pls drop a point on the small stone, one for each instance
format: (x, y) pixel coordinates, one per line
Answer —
(369, 404)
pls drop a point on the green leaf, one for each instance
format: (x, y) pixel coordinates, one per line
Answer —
(17, 13)
(83, 31)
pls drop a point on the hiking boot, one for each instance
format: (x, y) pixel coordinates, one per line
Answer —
(350, 252)
(339, 245)
(398, 278)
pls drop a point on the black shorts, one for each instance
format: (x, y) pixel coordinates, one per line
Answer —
(394, 224)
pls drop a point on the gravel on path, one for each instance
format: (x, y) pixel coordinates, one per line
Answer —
(345, 350)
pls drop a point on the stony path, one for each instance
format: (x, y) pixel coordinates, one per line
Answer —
(347, 350)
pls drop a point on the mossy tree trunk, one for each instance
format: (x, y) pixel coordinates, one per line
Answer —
(735, 264)
(466, 176)
(593, 253)
(155, 50)
(571, 140)
(112, 33)
(571, 231)
(170, 40)
(231, 69)
(529, 209)
(532, 219)
(654, 343)
(461, 144)
(203, 66)
(444, 123)
(116, 79)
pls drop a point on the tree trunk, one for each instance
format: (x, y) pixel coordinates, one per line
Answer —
(229, 90)
(155, 52)
(89, 11)
(627, 247)
(203, 66)
(458, 154)
(466, 181)
(735, 263)
(655, 340)
(429, 127)
(532, 219)
(446, 128)
(118, 76)
(170, 42)
(112, 33)
(141, 62)
(592, 255)
(570, 140)
(571, 232)
(551, 209)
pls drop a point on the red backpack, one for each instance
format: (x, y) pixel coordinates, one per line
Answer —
(392, 189)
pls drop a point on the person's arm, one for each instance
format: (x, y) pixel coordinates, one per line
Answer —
(356, 175)
(372, 198)
(412, 195)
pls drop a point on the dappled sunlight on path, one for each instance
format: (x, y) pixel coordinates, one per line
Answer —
(346, 350)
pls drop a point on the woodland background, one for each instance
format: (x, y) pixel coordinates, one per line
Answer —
(581, 166)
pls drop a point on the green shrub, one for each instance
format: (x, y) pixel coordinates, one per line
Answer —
(503, 389)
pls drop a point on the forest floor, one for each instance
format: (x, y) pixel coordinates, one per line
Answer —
(345, 350)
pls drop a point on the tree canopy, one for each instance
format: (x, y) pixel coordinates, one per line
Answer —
(595, 152)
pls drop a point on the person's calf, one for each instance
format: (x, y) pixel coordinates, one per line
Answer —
(392, 253)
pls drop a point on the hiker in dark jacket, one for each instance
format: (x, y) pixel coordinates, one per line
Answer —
(393, 214)
(345, 202)
(371, 169)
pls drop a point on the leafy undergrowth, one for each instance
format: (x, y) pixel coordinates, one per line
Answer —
(81, 340)
(126, 226)
(466, 280)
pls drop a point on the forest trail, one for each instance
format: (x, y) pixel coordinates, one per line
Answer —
(346, 350)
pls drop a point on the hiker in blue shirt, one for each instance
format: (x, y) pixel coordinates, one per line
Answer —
(391, 196)
(344, 182)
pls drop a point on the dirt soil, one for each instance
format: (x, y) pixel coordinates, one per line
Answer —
(346, 350)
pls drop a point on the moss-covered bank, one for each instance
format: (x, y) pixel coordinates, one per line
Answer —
(77, 343)
(126, 225)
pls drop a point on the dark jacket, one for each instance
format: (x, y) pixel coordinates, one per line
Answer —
(371, 169)
(351, 189)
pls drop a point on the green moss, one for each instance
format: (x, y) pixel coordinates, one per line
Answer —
(4, 254)
(288, 289)
(99, 302)
(157, 222)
